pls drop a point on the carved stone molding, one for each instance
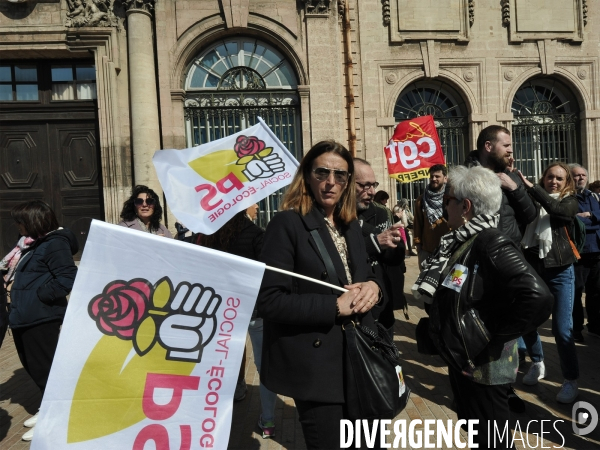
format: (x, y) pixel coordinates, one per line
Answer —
(411, 21)
(316, 7)
(471, 12)
(468, 76)
(509, 74)
(391, 78)
(143, 5)
(585, 12)
(385, 9)
(582, 73)
(505, 12)
(534, 20)
(91, 13)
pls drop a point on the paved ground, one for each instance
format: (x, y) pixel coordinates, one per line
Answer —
(426, 375)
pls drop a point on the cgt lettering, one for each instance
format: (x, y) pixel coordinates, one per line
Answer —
(224, 185)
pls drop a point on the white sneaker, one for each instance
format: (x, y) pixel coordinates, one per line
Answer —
(568, 392)
(30, 423)
(28, 436)
(536, 372)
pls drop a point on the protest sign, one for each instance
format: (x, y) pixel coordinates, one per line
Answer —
(207, 185)
(413, 149)
(151, 345)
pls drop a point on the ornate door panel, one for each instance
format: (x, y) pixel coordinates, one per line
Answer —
(57, 162)
(24, 172)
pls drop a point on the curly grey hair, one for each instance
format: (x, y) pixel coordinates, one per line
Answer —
(478, 184)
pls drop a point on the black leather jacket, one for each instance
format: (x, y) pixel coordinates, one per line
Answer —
(562, 211)
(517, 209)
(501, 299)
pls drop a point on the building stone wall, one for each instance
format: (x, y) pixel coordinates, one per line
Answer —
(484, 49)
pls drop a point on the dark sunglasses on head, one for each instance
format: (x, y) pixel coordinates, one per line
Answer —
(367, 186)
(322, 174)
(140, 201)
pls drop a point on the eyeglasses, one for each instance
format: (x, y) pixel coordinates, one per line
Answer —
(447, 199)
(367, 186)
(322, 174)
(140, 201)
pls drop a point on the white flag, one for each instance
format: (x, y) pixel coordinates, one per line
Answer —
(151, 345)
(207, 185)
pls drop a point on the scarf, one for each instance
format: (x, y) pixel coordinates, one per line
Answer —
(433, 205)
(147, 229)
(10, 261)
(539, 232)
(429, 279)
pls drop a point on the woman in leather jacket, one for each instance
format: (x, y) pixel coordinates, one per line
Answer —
(548, 249)
(484, 296)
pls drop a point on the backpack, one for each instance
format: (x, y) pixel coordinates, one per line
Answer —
(577, 233)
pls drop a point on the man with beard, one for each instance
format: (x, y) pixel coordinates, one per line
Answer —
(385, 247)
(429, 225)
(494, 152)
(587, 269)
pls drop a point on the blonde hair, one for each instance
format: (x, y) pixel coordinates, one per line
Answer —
(299, 196)
(569, 187)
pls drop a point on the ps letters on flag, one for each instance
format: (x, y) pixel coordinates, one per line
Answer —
(150, 347)
(413, 149)
(207, 185)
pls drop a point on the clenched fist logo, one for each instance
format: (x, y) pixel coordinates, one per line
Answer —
(191, 323)
(182, 319)
(264, 167)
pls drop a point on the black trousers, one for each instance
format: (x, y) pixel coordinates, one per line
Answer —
(587, 276)
(36, 346)
(486, 403)
(321, 425)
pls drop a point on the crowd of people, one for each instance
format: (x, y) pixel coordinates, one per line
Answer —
(498, 254)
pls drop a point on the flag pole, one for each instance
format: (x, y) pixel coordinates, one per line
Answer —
(292, 274)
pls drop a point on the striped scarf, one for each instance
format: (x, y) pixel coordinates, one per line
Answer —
(429, 279)
(10, 261)
(433, 205)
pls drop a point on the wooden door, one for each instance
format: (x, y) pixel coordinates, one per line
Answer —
(55, 161)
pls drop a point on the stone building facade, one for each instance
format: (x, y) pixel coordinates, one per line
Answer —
(89, 89)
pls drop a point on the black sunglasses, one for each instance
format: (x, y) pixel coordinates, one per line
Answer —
(322, 174)
(140, 201)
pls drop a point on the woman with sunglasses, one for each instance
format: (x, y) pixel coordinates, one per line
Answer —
(142, 212)
(303, 344)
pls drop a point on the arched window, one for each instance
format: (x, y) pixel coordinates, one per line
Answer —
(544, 127)
(449, 111)
(232, 83)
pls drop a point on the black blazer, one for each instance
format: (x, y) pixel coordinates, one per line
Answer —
(303, 339)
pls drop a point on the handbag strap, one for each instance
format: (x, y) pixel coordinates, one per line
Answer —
(331, 272)
(573, 246)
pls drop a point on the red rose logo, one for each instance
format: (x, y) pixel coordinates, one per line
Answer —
(120, 308)
(248, 146)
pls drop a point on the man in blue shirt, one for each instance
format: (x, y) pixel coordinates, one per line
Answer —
(587, 270)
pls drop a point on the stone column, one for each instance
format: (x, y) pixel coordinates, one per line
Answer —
(145, 132)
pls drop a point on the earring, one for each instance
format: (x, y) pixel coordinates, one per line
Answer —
(464, 218)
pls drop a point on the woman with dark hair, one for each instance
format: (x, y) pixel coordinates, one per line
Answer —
(381, 197)
(241, 237)
(142, 212)
(303, 344)
(42, 273)
(548, 250)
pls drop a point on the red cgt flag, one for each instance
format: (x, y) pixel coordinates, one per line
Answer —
(413, 149)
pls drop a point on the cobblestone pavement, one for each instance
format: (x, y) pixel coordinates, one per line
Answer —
(426, 375)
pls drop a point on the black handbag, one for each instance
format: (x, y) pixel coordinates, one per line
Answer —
(374, 383)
